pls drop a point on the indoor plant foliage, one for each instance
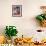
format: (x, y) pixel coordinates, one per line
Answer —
(11, 31)
(42, 19)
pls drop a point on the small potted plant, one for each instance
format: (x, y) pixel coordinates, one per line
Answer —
(42, 17)
(10, 31)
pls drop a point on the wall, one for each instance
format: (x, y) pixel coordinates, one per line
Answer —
(26, 24)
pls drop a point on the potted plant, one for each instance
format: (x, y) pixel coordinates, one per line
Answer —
(10, 31)
(42, 17)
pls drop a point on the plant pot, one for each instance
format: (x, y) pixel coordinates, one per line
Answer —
(13, 38)
(43, 23)
(9, 41)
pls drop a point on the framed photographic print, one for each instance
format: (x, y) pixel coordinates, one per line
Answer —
(16, 10)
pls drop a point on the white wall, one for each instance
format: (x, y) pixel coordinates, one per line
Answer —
(26, 24)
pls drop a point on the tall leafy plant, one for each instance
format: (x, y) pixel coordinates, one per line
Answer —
(11, 31)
